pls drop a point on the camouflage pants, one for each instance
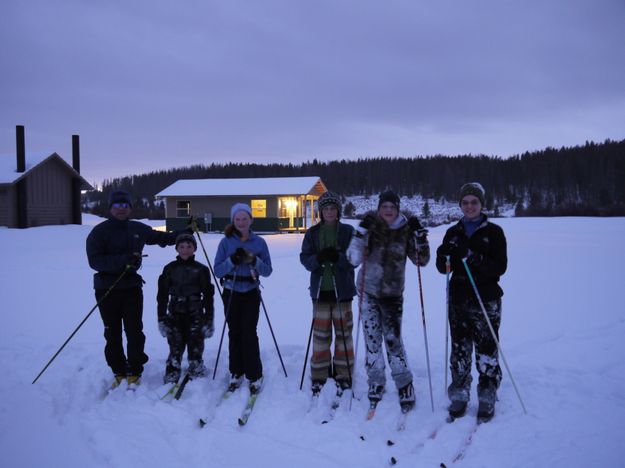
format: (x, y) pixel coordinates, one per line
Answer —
(326, 315)
(382, 323)
(468, 329)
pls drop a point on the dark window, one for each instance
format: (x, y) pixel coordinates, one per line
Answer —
(183, 209)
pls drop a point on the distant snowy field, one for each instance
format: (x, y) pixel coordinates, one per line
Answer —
(563, 334)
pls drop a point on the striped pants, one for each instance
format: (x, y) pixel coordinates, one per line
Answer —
(327, 314)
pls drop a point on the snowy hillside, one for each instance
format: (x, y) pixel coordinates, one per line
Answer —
(563, 333)
(440, 211)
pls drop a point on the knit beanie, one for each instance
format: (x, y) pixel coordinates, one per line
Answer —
(239, 207)
(330, 198)
(119, 196)
(186, 237)
(388, 196)
(473, 188)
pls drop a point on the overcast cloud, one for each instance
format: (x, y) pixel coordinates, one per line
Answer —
(155, 84)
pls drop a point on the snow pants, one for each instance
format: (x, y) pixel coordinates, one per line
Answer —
(242, 312)
(123, 308)
(186, 324)
(382, 323)
(468, 329)
(326, 315)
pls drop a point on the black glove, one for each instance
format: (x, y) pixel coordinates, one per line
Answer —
(329, 253)
(452, 249)
(475, 259)
(248, 257)
(414, 224)
(237, 256)
(134, 260)
(368, 222)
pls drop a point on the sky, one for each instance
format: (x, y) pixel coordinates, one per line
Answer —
(155, 84)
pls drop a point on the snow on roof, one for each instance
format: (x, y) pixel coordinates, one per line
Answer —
(8, 165)
(238, 187)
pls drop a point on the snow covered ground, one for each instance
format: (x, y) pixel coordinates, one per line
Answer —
(563, 334)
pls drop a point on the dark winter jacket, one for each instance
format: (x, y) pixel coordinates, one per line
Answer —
(185, 285)
(386, 249)
(487, 258)
(112, 244)
(343, 270)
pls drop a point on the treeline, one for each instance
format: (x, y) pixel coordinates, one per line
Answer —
(581, 180)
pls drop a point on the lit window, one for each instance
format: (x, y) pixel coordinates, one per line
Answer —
(259, 208)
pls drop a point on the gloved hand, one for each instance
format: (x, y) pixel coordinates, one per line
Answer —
(248, 257)
(414, 224)
(329, 253)
(237, 256)
(134, 260)
(452, 249)
(368, 222)
(474, 259)
(163, 328)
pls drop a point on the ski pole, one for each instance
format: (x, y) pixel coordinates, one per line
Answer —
(349, 370)
(260, 296)
(492, 331)
(425, 333)
(197, 231)
(312, 324)
(361, 296)
(83, 321)
(447, 271)
(223, 329)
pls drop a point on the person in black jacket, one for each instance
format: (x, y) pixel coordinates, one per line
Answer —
(323, 254)
(112, 245)
(483, 244)
(185, 309)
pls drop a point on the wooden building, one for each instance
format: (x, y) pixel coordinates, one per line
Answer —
(279, 204)
(40, 189)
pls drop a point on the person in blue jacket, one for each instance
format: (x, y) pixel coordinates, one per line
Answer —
(324, 255)
(241, 258)
(113, 245)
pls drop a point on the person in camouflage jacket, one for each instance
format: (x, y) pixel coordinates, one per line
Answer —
(381, 244)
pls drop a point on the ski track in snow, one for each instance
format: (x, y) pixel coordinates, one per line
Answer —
(563, 330)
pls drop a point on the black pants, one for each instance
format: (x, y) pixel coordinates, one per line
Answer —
(468, 329)
(123, 307)
(186, 332)
(242, 311)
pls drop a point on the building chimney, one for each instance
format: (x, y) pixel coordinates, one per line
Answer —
(21, 148)
(76, 153)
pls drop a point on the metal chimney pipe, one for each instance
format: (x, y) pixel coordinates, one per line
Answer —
(76, 153)
(21, 148)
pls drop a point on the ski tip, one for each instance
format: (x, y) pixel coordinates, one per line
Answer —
(241, 422)
(202, 422)
(390, 443)
(442, 465)
(324, 422)
(393, 461)
(362, 437)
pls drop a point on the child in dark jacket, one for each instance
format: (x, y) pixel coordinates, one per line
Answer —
(185, 309)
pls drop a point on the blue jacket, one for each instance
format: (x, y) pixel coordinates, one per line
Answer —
(224, 268)
(111, 245)
(344, 272)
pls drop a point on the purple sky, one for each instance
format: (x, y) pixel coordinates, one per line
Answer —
(153, 84)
